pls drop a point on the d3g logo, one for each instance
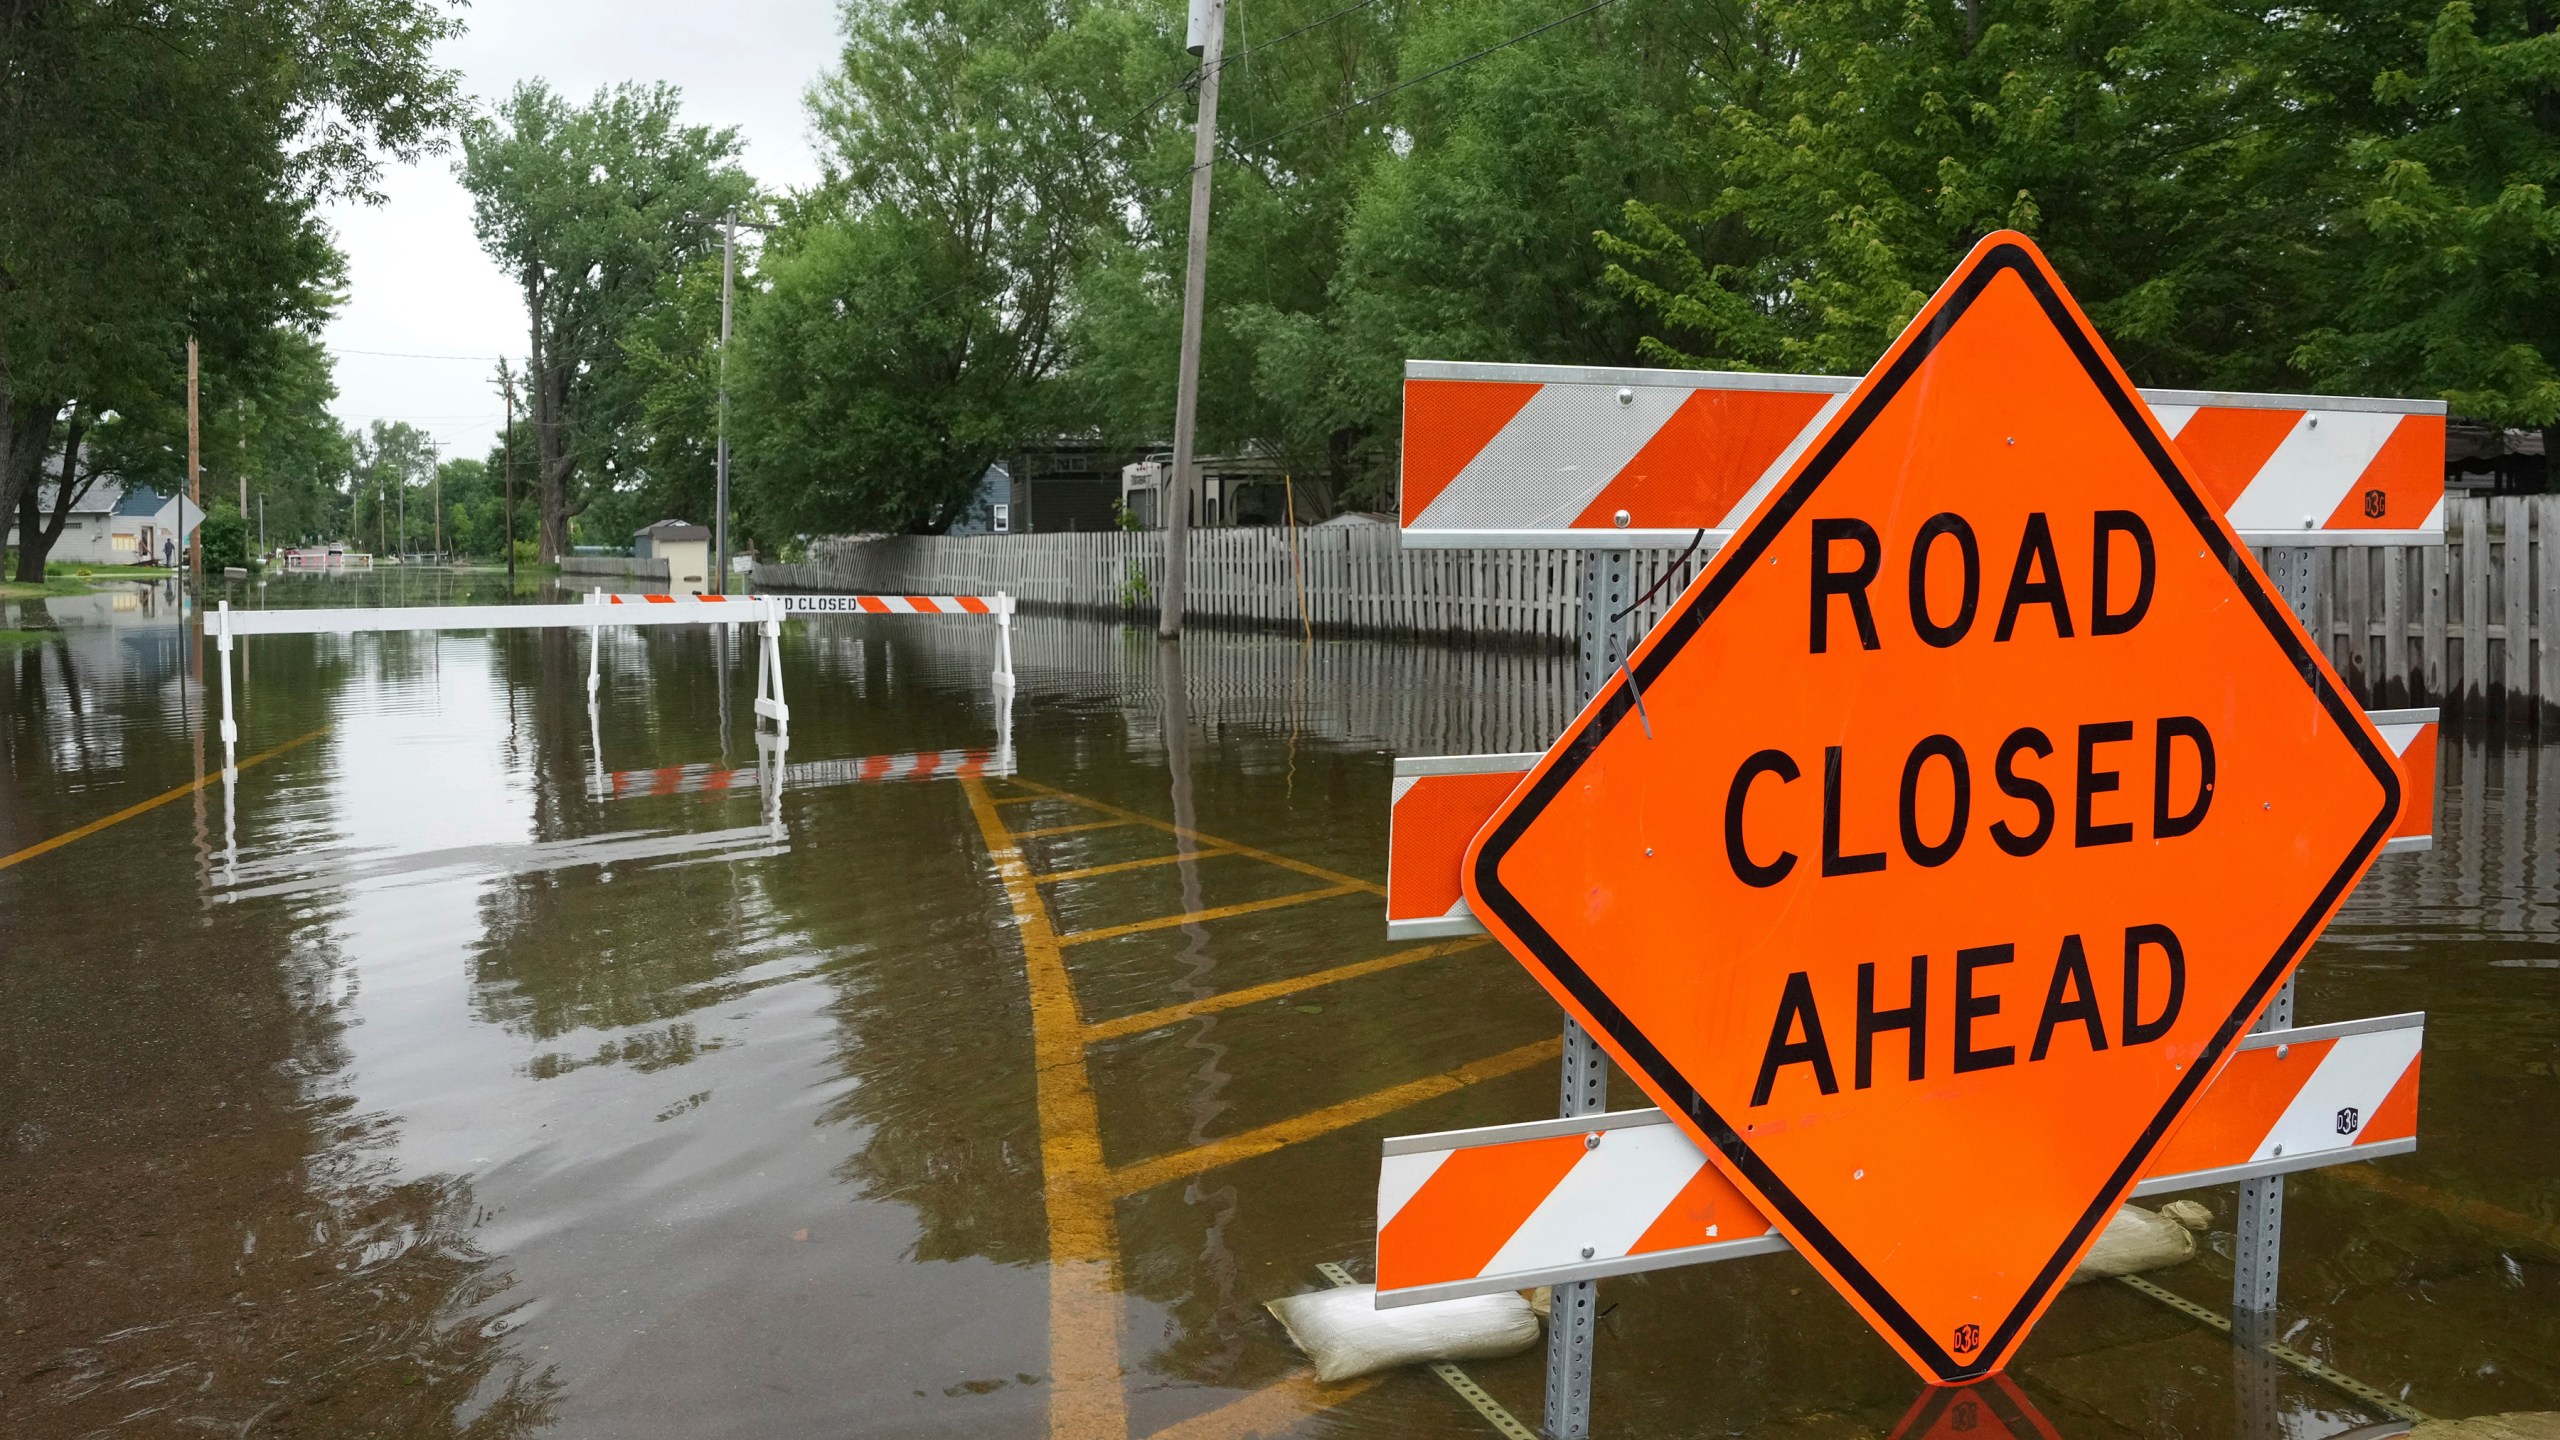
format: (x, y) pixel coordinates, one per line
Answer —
(1968, 1339)
(2375, 502)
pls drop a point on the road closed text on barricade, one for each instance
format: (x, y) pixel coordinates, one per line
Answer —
(1936, 848)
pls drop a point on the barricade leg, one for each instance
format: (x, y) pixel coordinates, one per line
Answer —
(1607, 585)
(1004, 642)
(2259, 1232)
(594, 672)
(222, 644)
(769, 702)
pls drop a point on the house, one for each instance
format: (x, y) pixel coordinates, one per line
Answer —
(685, 546)
(1248, 489)
(116, 525)
(1066, 483)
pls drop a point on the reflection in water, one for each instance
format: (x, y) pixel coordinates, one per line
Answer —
(1989, 1409)
(1212, 1356)
(493, 1104)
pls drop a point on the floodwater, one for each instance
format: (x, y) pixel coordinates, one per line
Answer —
(478, 1065)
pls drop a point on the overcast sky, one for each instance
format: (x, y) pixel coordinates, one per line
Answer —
(418, 283)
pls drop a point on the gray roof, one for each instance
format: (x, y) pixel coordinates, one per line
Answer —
(673, 530)
(141, 500)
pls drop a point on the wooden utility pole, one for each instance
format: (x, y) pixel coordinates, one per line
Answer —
(1208, 36)
(195, 472)
(507, 380)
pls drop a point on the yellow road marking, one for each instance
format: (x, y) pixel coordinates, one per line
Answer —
(2495, 1218)
(1272, 1410)
(1279, 1135)
(1218, 912)
(154, 803)
(1135, 818)
(1086, 1401)
(1253, 995)
(1070, 829)
(1089, 871)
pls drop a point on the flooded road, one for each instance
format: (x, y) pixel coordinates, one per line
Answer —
(481, 1066)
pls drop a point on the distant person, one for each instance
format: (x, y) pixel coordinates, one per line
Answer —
(169, 554)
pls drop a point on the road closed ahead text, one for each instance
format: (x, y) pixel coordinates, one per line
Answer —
(1979, 796)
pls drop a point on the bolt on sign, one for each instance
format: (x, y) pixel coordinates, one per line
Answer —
(1930, 856)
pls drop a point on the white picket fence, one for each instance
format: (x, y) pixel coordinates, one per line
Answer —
(1341, 580)
(2469, 625)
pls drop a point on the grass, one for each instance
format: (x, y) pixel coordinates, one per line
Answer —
(111, 572)
(53, 585)
(9, 638)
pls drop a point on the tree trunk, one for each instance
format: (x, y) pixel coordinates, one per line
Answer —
(38, 532)
(550, 467)
(25, 428)
(32, 549)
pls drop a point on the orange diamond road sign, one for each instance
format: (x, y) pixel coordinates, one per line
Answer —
(1981, 795)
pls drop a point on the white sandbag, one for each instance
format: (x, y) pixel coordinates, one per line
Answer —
(2194, 1214)
(1347, 1335)
(2136, 1240)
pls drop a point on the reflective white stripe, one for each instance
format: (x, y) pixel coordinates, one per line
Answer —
(1402, 1177)
(1779, 467)
(2357, 1073)
(2398, 736)
(2174, 418)
(1402, 784)
(2318, 463)
(1605, 1203)
(1554, 458)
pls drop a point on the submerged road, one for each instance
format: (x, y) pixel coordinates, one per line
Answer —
(420, 1084)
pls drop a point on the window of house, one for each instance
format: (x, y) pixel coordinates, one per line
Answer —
(123, 542)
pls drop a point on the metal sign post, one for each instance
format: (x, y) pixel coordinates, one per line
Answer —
(1604, 588)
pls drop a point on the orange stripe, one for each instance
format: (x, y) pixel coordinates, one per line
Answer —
(924, 605)
(1448, 423)
(2396, 1118)
(1427, 839)
(873, 603)
(2403, 482)
(660, 599)
(1708, 1208)
(973, 604)
(1705, 458)
(2238, 1108)
(1461, 1217)
(2418, 785)
(2225, 447)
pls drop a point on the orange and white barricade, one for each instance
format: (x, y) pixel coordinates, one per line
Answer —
(1554, 455)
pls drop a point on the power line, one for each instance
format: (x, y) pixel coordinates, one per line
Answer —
(1358, 5)
(1345, 109)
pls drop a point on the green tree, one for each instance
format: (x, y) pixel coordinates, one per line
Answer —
(161, 162)
(910, 320)
(2167, 155)
(393, 459)
(674, 353)
(224, 534)
(1453, 220)
(2453, 231)
(589, 207)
